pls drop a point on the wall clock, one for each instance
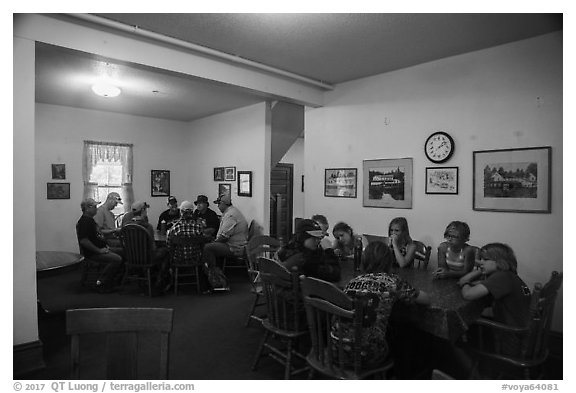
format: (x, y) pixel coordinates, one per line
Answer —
(439, 147)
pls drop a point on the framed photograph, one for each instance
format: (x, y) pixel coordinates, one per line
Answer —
(58, 191)
(442, 180)
(230, 173)
(59, 171)
(340, 182)
(160, 183)
(387, 183)
(219, 174)
(224, 188)
(513, 180)
(245, 183)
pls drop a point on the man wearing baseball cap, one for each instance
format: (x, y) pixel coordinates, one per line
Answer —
(106, 221)
(93, 246)
(303, 251)
(231, 238)
(207, 215)
(139, 209)
(170, 215)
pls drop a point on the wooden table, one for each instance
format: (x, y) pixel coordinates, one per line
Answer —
(54, 260)
(449, 314)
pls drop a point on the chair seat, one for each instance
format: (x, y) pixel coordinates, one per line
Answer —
(345, 373)
(281, 332)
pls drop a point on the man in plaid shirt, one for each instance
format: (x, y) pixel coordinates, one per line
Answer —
(186, 226)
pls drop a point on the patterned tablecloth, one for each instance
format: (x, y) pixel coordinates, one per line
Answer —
(449, 314)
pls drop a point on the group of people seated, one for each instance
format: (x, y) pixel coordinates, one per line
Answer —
(496, 275)
(219, 237)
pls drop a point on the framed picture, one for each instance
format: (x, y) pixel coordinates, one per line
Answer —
(442, 180)
(59, 171)
(160, 183)
(340, 182)
(387, 183)
(245, 183)
(58, 191)
(230, 173)
(219, 174)
(513, 180)
(224, 188)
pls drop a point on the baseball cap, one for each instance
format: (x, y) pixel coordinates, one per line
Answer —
(311, 227)
(186, 205)
(89, 201)
(224, 198)
(139, 205)
(172, 200)
(116, 196)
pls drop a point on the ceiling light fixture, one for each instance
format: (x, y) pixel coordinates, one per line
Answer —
(106, 90)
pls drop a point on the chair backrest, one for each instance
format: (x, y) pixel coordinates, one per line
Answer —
(281, 289)
(330, 312)
(541, 312)
(123, 328)
(254, 229)
(260, 246)
(193, 243)
(137, 245)
(422, 255)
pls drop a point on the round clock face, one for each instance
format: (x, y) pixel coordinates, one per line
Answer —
(439, 147)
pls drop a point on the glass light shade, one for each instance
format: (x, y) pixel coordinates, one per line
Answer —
(106, 90)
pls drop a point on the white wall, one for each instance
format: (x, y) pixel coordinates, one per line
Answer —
(239, 138)
(485, 100)
(295, 156)
(25, 324)
(60, 134)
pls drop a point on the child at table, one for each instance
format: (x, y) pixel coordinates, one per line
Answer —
(498, 278)
(346, 239)
(403, 248)
(455, 256)
(383, 289)
(321, 220)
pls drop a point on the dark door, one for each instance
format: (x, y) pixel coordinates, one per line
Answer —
(281, 184)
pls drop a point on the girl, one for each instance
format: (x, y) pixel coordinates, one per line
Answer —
(323, 222)
(303, 252)
(455, 256)
(401, 243)
(346, 239)
(383, 290)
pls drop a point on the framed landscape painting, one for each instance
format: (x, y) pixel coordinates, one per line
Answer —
(58, 191)
(513, 180)
(340, 182)
(387, 183)
(442, 180)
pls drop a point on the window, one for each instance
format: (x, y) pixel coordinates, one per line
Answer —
(108, 168)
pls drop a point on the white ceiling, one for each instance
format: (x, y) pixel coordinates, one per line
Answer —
(332, 48)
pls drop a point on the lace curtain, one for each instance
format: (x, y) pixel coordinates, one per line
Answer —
(96, 153)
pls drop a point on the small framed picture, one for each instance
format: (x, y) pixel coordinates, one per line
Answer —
(58, 171)
(160, 183)
(442, 180)
(58, 191)
(224, 188)
(340, 182)
(513, 180)
(219, 173)
(230, 173)
(245, 183)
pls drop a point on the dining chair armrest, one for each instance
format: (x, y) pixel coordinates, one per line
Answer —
(500, 326)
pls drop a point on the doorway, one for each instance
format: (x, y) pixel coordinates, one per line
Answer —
(281, 188)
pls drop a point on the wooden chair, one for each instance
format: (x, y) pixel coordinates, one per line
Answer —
(285, 323)
(258, 246)
(422, 255)
(329, 311)
(138, 255)
(123, 328)
(187, 268)
(533, 339)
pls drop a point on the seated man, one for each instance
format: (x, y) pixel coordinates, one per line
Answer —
(170, 215)
(230, 240)
(137, 207)
(106, 221)
(93, 246)
(209, 216)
